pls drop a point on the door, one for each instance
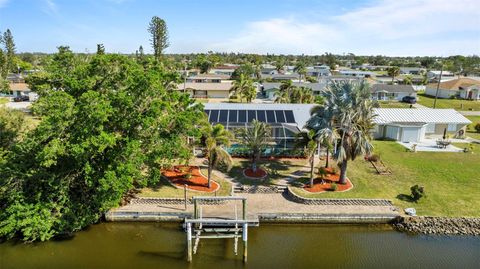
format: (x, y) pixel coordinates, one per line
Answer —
(410, 134)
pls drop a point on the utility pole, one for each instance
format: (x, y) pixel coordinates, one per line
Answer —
(438, 87)
(185, 76)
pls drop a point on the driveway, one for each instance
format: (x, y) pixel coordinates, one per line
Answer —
(24, 106)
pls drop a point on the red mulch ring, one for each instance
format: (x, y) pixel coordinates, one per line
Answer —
(260, 173)
(197, 182)
(328, 180)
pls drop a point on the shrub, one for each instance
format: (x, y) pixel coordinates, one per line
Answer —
(333, 186)
(188, 176)
(477, 127)
(322, 172)
(417, 192)
(374, 158)
(334, 170)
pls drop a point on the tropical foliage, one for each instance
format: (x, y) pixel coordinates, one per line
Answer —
(216, 139)
(244, 88)
(307, 141)
(256, 138)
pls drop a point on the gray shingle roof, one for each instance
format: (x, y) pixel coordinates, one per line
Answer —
(392, 88)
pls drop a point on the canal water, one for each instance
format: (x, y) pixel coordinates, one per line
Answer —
(155, 245)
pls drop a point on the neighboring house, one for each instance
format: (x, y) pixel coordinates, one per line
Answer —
(285, 120)
(21, 89)
(465, 88)
(435, 75)
(415, 125)
(412, 70)
(15, 78)
(385, 92)
(224, 70)
(318, 71)
(207, 86)
(268, 69)
(281, 77)
(268, 89)
(356, 73)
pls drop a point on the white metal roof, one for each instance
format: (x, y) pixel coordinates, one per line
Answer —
(427, 115)
(301, 112)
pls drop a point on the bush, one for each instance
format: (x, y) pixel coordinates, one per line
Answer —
(188, 176)
(333, 186)
(374, 158)
(477, 127)
(417, 192)
(322, 172)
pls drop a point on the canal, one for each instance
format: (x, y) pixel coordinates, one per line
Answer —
(158, 245)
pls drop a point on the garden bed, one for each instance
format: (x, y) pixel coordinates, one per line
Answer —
(259, 174)
(178, 176)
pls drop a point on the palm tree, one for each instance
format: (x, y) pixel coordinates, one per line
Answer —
(407, 80)
(349, 113)
(393, 72)
(284, 93)
(279, 65)
(321, 122)
(301, 69)
(306, 140)
(255, 138)
(216, 138)
(244, 87)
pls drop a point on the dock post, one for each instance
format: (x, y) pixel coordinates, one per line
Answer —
(244, 237)
(244, 213)
(195, 209)
(189, 242)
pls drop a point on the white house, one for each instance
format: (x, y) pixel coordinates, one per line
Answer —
(415, 125)
(207, 86)
(384, 92)
(318, 71)
(465, 88)
(435, 74)
(356, 73)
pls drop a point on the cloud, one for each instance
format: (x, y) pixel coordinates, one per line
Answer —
(50, 7)
(407, 27)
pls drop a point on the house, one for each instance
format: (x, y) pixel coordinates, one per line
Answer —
(281, 77)
(465, 88)
(318, 71)
(435, 75)
(268, 89)
(285, 120)
(224, 70)
(415, 125)
(268, 69)
(355, 73)
(385, 92)
(412, 70)
(207, 86)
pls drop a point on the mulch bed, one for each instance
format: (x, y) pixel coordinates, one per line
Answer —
(260, 173)
(328, 180)
(197, 182)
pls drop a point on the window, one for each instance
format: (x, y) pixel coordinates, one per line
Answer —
(430, 128)
(452, 127)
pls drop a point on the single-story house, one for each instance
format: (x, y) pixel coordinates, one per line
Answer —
(412, 70)
(318, 71)
(355, 73)
(225, 70)
(268, 89)
(280, 77)
(219, 89)
(415, 125)
(385, 92)
(285, 120)
(465, 88)
(435, 75)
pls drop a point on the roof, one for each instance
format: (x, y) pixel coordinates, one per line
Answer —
(19, 87)
(418, 115)
(392, 88)
(209, 76)
(455, 84)
(207, 86)
(301, 112)
(313, 86)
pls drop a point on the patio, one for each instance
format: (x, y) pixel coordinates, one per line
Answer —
(431, 145)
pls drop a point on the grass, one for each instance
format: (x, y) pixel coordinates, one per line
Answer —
(393, 104)
(471, 132)
(166, 190)
(3, 100)
(457, 104)
(276, 169)
(451, 180)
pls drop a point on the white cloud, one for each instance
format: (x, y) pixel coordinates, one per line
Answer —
(50, 7)
(407, 27)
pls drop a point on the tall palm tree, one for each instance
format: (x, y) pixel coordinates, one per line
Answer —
(216, 138)
(407, 80)
(349, 111)
(255, 138)
(321, 121)
(393, 72)
(307, 141)
(301, 69)
(244, 87)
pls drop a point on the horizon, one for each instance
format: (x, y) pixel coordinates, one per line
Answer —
(305, 27)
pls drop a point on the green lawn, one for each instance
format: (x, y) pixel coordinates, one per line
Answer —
(393, 104)
(471, 132)
(3, 100)
(451, 180)
(277, 169)
(166, 190)
(449, 103)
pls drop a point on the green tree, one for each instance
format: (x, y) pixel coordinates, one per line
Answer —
(109, 127)
(393, 71)
(100, 49)
(307, 141)
(301, 69)
(244, 88)
(348, 113)
(256, 138)
(216, 138)
(9, 50)
(158, 36)
(12, 125)
(407, 80)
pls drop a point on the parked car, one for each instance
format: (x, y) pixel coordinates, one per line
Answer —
(409, 99)
(21, 98)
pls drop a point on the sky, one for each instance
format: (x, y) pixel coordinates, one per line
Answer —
(362, 27)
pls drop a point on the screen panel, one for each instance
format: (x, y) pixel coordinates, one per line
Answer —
(270, 116)
(261, 116)
(280, 116)
(232, 116)
(213, 116)
(242, 116)
(289, 116)
(223, 116)
(251, 115)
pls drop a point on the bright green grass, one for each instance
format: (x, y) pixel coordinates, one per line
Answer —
(393, 104)
(3, 100)
(276, 169)
(471, 132)
(449, 103)
(166, 190)
(451, 180)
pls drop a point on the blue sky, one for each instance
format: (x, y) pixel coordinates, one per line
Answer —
(406, 27)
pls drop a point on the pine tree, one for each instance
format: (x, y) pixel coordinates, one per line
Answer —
(9, 50)
(159, 36)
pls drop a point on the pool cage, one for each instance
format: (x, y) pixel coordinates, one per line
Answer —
(282, 124)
